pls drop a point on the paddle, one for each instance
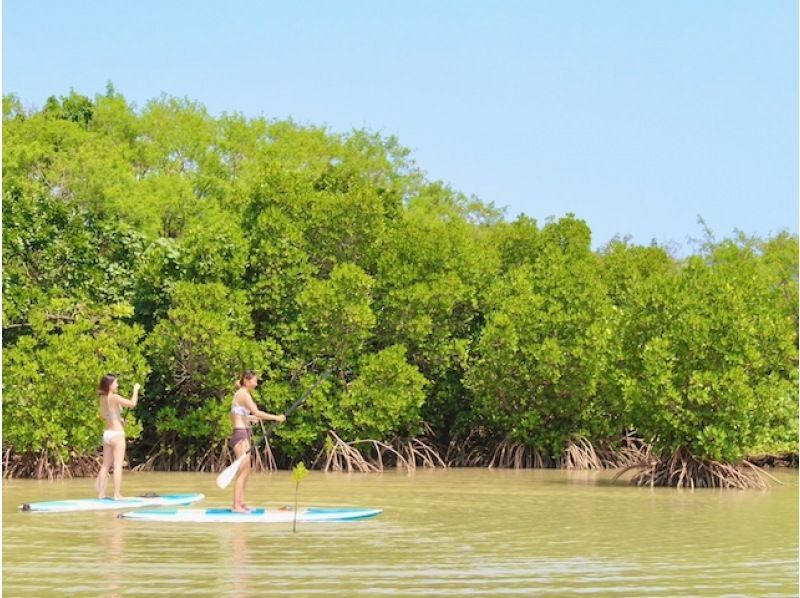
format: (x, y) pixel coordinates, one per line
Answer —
(229, 472)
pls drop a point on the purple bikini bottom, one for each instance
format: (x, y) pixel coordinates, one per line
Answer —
(240, 434)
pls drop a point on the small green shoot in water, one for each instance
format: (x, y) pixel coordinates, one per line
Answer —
(298, 473)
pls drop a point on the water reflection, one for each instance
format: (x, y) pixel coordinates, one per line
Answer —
(580, 478)
(240, 567)
(112, 542)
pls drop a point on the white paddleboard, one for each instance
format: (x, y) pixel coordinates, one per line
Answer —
(310, 514)
(109, 504)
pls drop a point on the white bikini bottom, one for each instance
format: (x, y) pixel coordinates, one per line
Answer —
(109, 435)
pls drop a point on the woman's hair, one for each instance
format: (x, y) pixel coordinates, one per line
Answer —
(105, 384)
(244, 377)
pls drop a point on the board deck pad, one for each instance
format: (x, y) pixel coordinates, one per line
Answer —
(109, 504)
(260, 515)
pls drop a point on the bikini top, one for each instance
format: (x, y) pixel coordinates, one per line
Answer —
(239, 410)
(108, 413)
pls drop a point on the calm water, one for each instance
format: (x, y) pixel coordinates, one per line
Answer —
(463, 532)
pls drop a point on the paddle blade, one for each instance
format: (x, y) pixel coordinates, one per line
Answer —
(229, 472)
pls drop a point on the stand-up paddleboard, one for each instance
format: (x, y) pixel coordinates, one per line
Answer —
(311, 514)
(109, 504)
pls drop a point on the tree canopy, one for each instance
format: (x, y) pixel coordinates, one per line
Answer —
(177, 249)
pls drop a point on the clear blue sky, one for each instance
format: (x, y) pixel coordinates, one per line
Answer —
(635, 115)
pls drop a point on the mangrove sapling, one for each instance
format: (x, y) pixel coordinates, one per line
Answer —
(299, 473)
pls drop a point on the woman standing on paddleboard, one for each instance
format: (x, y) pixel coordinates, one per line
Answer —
(244, 411)
(114, 435)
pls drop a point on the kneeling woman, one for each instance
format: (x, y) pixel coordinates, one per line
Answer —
(244, 411)
(114, 434)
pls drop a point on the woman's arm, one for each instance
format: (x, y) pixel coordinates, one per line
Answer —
(129, 403)
(248, 402)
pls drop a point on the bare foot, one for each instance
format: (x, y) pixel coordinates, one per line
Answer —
(119, 498)
(240, 510)
(101, 497)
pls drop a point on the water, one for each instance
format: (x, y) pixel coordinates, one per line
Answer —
(462, 532)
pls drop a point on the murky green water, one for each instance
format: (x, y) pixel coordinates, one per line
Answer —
(443, 533)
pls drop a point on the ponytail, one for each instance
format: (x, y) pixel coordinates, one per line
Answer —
(244, 377)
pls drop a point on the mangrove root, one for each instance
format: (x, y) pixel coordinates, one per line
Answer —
(514, 455)
(374, 456)
(47, 466)
(581, 454)
(684, 470)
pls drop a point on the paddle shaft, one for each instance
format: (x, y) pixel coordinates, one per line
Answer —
(290, 410)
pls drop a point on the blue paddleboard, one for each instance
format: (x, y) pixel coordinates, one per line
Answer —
(310, 514)
(109, 504)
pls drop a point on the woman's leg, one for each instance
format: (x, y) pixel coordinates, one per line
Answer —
(102, 477)
(119, 456)
(245, 477)
(241, 480)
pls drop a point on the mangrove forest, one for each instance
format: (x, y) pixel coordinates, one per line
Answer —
(176, 248)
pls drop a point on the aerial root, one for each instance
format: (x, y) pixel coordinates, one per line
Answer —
(374, 455)
(44, 465)
(515, 455)
(581, 454)
(683, 470)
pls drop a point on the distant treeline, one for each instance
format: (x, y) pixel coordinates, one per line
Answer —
(177, 249)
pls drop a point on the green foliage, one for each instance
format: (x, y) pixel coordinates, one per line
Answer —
(299, 472)
(50, 377)
(278, 269)
(74, 108)
(228, 243)
(309, 424)
(625, 268)
(197, 353)
(710, 363)
(434, 273)
(336, 317)
(214, 250)
(384, 400)
(540, 372)
(12, 108)
(55, 249)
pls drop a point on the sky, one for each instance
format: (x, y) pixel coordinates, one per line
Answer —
(637, 116)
